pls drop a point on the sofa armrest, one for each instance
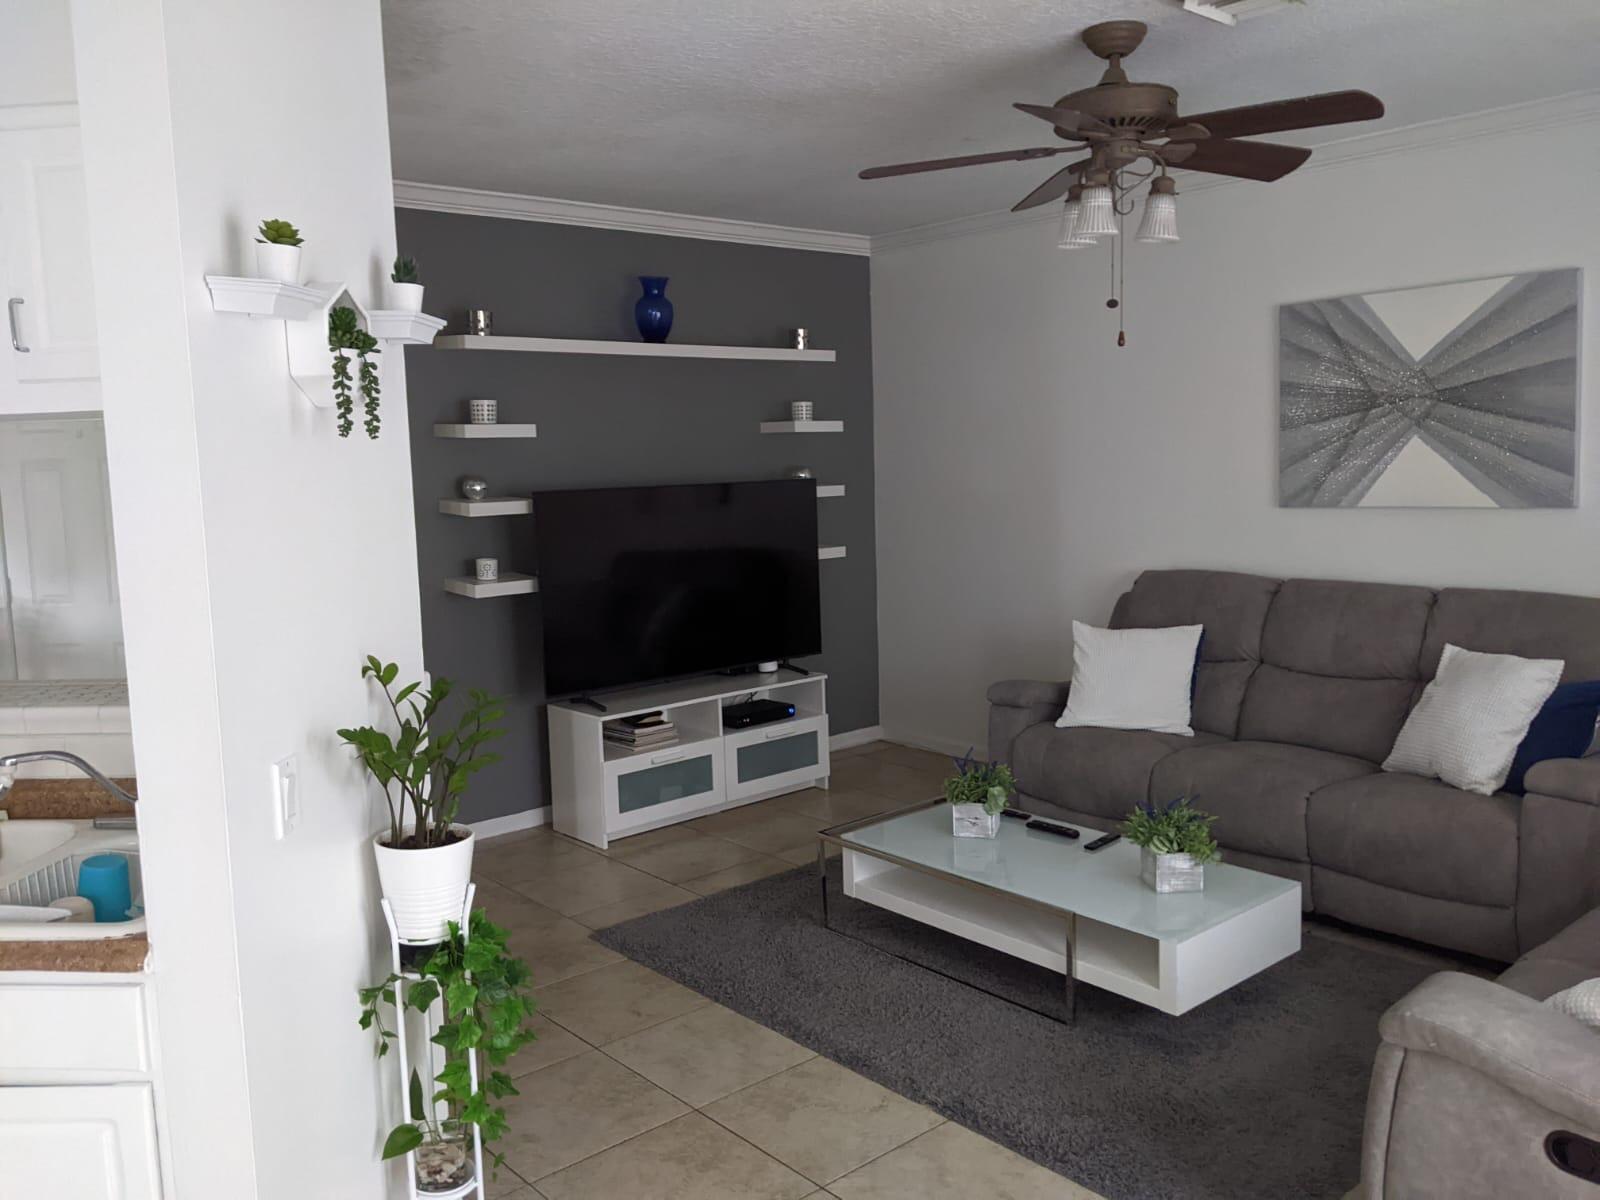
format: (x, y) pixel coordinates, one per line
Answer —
(1025, 693)
(1534, 1051)
(1569, 778)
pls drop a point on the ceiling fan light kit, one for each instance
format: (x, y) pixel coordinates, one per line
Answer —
(1160, 223)
(1071, 237)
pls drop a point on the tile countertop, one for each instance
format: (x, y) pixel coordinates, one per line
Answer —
(69, 800)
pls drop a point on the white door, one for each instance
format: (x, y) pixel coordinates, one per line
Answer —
(45, 270)
(89, 1143)
(55, 513)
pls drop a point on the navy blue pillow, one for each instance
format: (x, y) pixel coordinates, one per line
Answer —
(1563, 729)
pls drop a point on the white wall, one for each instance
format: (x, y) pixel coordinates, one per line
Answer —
(1028, 469)
(35, 53)
(260, 557)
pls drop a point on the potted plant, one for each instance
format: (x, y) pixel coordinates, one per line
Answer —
(278, 251)
(405, 288)
(487, 1005)
(1175, 844)
(978, 792)
(424, 857)
(345, 336)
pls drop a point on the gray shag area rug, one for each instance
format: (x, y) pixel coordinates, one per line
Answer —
(1259, 1092)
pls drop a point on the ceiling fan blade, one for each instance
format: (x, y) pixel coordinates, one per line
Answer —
(1187, 132)
(1053, 188)
(966, 160)
(1265, 161)
(1069, 119)
(1176, 153)
(1307, 112)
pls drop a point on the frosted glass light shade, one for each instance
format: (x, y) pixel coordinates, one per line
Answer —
(1071, 238)
(1097, 218)
(1160, 223)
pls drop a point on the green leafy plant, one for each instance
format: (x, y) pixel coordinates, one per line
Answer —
(405, 271)
(279, 233)
(1179, 828)
(988, 784)
(487, 1005)
(425, 768)
(345, 336)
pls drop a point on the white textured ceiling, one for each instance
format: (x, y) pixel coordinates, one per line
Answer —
(764, 111)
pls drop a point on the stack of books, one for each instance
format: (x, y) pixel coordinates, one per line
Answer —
(647, 731)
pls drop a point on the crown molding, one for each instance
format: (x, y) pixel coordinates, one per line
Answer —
(1571, 109)
(435, 197)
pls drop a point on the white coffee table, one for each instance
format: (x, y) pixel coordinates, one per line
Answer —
(1043, 898)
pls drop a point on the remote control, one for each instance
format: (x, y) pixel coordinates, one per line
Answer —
(1016, 814)
(1101, 842)
(1043, 826)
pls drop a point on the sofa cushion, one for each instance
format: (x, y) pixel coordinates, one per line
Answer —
(1231, 606)
(1256, 790)
(1101, 771)
(1570, 957)
(1358, 717)
(1418, 835)
(1527, 624)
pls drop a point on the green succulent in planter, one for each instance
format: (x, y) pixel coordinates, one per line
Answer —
(279, 233)
(1179, 828)
(405, 271)
(975, 782)
(345, 335)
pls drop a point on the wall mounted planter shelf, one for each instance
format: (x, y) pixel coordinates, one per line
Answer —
(827, 491)
(830, 551)
(538, 345)
(486, 431)
(406, 328)
(500, 506)
(802, 427)
(265, 297)
(509, 584)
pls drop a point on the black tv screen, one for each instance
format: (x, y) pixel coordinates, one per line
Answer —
(648, 583)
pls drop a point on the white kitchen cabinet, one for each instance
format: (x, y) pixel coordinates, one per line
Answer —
(50, 348)
(87, 1143)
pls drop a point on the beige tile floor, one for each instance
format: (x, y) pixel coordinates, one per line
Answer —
(640, 1089)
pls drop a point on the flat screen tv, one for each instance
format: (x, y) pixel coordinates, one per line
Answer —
(643, 584)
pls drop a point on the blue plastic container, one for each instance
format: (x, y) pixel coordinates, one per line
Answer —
(103, 882)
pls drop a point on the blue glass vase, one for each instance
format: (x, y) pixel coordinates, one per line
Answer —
(652, 312)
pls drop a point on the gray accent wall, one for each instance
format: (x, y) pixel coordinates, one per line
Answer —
(608, 422)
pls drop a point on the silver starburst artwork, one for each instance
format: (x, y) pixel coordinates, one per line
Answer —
(1460, 395)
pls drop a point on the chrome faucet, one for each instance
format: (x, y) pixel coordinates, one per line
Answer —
(9, 763)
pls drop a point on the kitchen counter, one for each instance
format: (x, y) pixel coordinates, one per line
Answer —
(64, 799)
(124, 954)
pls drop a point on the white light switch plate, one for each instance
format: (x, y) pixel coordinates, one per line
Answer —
(285, 796)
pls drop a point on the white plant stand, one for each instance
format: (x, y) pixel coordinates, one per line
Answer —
(429, 1068)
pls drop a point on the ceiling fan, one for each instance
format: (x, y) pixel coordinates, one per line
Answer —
(1120, 122)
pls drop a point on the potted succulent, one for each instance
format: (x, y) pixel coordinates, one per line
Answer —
(424, 857)
(487, 1003)
(278, 251)
(1175, 844)
(345, 336)
(978, 793)
(405, 288)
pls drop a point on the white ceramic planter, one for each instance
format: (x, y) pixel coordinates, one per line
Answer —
(280, 263)
(972, 821)
(404, 297)
(425, 888)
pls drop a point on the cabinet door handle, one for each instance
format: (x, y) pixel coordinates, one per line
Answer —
(666, 758)
(16, 329)
(778, 733)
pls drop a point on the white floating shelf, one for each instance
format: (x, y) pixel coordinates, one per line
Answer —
(830, 551)
(509, 584)
(500, 506)
(538, 345)
(266, 297)
(407, 328)
(486, 431)
(826, 491)
(802, 427)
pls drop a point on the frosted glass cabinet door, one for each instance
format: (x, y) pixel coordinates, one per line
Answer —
(87, 1143)
(771, 757)
(665, 783)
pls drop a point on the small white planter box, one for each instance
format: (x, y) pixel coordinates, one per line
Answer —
(972, 821)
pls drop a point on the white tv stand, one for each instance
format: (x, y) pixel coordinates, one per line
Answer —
(601, 792)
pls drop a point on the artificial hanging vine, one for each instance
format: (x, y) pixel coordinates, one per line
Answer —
(346, 334)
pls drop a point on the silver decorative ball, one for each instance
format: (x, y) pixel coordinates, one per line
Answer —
(474, 488)
(799, 473)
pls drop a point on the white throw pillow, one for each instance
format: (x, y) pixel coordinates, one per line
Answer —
(1581, 1002)
(1466, 728)
(1132, 678)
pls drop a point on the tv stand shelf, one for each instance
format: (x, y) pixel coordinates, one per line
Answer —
(602, 791)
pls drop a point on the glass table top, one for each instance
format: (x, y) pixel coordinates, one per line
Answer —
(1051, 870)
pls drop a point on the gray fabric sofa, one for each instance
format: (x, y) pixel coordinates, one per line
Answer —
(1301, 688)
(1473, 1075)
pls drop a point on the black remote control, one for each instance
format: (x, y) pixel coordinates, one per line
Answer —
(1016, 814)
(1043, 826)
(1101, 843)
